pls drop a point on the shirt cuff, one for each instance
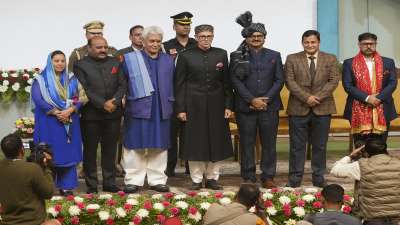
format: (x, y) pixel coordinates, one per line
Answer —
(366, 99)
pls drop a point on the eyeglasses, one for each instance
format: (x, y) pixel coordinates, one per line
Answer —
(205, 37)
(365, 44)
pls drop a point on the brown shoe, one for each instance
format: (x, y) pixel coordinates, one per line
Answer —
(268, 184)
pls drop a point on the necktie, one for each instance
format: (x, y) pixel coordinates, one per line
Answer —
(312, 67)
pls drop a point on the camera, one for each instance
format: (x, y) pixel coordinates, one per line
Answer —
(37, 153)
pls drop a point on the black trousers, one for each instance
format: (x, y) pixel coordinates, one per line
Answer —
(267, 125)
(105, 132)
(300, 127)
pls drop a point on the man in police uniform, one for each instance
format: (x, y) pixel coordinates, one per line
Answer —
(173, 47)
(93, 28)
(135, 35)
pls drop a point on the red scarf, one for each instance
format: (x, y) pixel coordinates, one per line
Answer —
(365, 118)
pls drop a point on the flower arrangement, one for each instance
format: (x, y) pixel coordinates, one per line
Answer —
(24, 127)
(16, 84)
(282, 206)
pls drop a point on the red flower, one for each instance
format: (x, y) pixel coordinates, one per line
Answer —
(136, 219)
(347, 198)
(169, 195)
(317, 205)
(70, 198)
(318, 195)
(121, 193)
(58, 208)
(109, 221)
(346, 209)
(89, 196)
(192, 210)
(128, 207)
(60, 219)
(287, 210)
(111, 202)
(147, 205)
(174, 211)
(114, 70)
(166, 204)
(80, 205)
(274, 190)
(160, 218)
(300, 203)
(75, 220)
(219, 195)
(91, 211)
(192, 193)
(268, 203)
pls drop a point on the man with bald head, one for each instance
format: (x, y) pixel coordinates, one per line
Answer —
(105, 85)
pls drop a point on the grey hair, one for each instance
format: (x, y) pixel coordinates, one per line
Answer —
(203, 27)
(152, 30)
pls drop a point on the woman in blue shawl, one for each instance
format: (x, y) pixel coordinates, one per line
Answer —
(56, 99)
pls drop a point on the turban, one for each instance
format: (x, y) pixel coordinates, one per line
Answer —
(246, 21)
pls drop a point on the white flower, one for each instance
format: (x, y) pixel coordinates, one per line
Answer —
(252, 209)
(158, 206)
(299, 211)
(35, 75)
(225, 201)
(157, 196)
(16, 86)
(284, 200)
(308, 198)
(130, 223)
(142, 213)
(3, 88)
(78, 199)
(288, 189)
(229, 193)
(120, 212)
(52, 211)
(196, 217)
(271, 211)
(267, 196)
(30, 81)
(179, 197)
(311, 190)
(28, 89)
(74, 210)
(181, 204)
(132, 201)
(93, 207)
(203, 194)
(321, 210)
(56, 198)
(133, 195)
(290, 222)
(104, 215)
(14, 74)
(6, 83)
(205, 205)
(105, 196)
(4, 74)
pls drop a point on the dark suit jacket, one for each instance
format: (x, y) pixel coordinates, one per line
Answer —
(389, 84)
(265, 79)
(102, 80)
(301, 86)
(123, 51)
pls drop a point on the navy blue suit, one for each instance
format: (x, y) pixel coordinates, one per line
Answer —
(389, 84)
(264, 78)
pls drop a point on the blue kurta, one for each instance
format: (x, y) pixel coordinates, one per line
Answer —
(148, 133)
(48, 129)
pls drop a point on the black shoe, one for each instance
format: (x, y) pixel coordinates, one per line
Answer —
(170, 172)
(130, 188)
(252, 180)
(196, 186)
(91, 191)
(160, 188)
(112, 189)
(66, 192)
(292, 185)
(212, 184)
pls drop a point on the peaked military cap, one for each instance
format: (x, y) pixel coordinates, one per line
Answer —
(95, 26)
(183, 18)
